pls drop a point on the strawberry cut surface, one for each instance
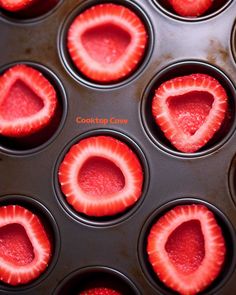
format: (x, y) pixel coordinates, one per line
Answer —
(101, 176)
(16, 5)
(106, 42)
(190, 110)
(15, 245)
(186, 248)
(181, 253)
(100, 291)
(27, 101)
(25, 249)
(21, 102)
(191, 8)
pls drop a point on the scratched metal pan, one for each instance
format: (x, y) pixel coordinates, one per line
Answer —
(113, 249)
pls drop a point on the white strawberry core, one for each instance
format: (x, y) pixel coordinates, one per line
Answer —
(190, 110)
(20, 102)
(15, 246)
(106, 43)
(100, 177)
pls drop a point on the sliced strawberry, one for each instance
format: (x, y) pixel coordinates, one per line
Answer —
(25, 249)
(101, 176)
(100, 291)
(189, 110)
(186, 248)
(106, 42)
(27, 101)
(191, 8)
(15, 5)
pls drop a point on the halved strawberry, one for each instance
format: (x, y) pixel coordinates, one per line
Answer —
(15, 5)
(189, 110)
(101, 176)
(186, 248)
(27, 101)
(100, 291)
(191, 8)
(25, 249)
(106, 42)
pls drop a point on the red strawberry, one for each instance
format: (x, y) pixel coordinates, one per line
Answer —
(106, 42)
(15, 5)
(25, 249)
(27, 101)
(191, 7)
(100, 291)
(189, 110)
(101, 176)
(186, 248)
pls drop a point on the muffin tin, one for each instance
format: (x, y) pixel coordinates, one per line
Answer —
(113, 249)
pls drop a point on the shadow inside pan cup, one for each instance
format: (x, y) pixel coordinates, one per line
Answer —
(185, 68)
(51, 229)
(96, 277)
(228, 233)
(233, 41)
(214, 8)
(95, 58)
(43, 136)
(37, 9)
(100, 178)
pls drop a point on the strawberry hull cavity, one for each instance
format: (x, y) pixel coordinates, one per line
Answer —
(190, 110)
(27, 101)
(25, 249)
(107, 42)
(186, 248)
(101, 176)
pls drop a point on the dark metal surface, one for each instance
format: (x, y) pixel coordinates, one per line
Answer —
(209, 175)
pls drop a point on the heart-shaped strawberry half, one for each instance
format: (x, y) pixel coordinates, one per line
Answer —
(27, 101)
(106, 42)
(25, 249)
(189, 110)
(186, 248)
(101, 176)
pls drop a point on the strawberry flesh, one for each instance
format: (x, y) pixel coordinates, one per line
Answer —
(106, 43)
(15, 245)
(20, 102)
(191, 8)
(186, 248)
(25, 248)
(100, 177)
(190, 110)
(186, 256)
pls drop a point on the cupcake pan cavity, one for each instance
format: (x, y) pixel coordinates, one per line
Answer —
(114, 247)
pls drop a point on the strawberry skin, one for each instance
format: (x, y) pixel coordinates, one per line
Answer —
(106, 42)
(189, 110)
(100, 291)
(101, 176)
(15, 270)
(16, 117)
(15, 5)
(186, 248)
(191, 8)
